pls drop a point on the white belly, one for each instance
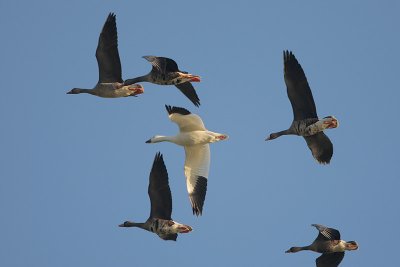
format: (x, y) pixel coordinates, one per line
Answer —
(194, 138)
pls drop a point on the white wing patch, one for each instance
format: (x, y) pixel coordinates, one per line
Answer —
(188, 123)
(197, 165)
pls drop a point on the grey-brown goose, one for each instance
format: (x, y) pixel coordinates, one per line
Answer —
(110, 84)
(305, 122)
(165, 71)
(195, 138)
(160, 221)
(328, 243)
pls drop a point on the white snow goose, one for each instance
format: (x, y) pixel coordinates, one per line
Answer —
(160, 221)
(328, 243)
(195, 138)
(110, 84)
(165, 71)
(305, 122)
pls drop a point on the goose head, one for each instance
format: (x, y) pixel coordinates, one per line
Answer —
(75, 91)
(160, 138)
(187, 77)
(128, 224)
(330, 122)
(351, 245)
(179, 228)
(294, 249)
(272, 136)
(136, 88)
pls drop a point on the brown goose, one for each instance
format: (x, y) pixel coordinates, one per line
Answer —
(110, 82)
(195, 138)
(165, 71)
(305, 122)
(160, 221)
(328, 243)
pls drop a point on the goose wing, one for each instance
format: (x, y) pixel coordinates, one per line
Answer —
(107, 53)
(298, 90)
(159, 191)
(188, 90)
(321, 147)
(197, 165)
(326, 233)
(168, 236)
(330, 259)
(186, 121)
(162, 65)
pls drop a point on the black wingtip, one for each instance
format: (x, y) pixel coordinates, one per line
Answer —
(288, 55)
(188, 90)
(158, 163)
(197, 212)
(158, 157)
(110, 25)
(198, 196)
(195, 101)
(324, 157)
(324, 161)
(172, 109)
(148, 141)
(111, 16)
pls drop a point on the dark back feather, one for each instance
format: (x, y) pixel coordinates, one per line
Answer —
(107, 53)
(330, 259)
(326, 233)
(321, 147)
(159, 191)
(298, 90)
(162, 65)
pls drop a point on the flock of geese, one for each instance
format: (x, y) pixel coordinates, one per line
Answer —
(195, 138)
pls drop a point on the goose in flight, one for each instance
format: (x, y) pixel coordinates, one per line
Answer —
(160, 221)
(110, 84)
(305, 122)
(328, 243)
(165, 71)
(195, 138)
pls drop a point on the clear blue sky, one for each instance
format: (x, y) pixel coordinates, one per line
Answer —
(73, 167)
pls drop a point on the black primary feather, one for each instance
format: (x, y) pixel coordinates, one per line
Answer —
(198, 195)
(107, 53)
(330, 259)
(172, 109)
(159, 190)
(298, 90)
(188, 90)
(321, 147)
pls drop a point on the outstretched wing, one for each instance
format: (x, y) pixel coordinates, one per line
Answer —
(321, 147)
(107, 53)
(162, 65)
(159, 191)
(188, 90)
(326, 233)
(197, 165)
(298, 90)
(168, 236)
(186, 121)
(330, 259)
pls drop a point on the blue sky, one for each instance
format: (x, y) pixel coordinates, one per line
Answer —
(73, 167)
